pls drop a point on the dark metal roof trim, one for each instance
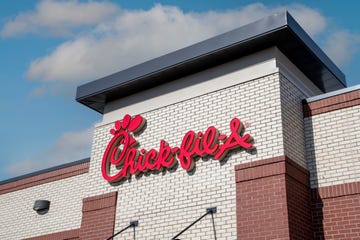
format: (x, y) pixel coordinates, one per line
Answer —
(334, 93)
(45, 171)
(279, 30)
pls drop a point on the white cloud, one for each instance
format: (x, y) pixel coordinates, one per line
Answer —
(310, 19)
(341, 46)
(69, 147)
(20, 168)
(116, 38)
(59, 18)
(134, 36)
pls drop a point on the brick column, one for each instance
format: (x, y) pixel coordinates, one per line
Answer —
(336, 211)
(273, 200)
(98, 216)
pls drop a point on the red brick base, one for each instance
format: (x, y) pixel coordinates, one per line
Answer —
(98, 218)
(68, 235)
(336, 211)
(273, 200)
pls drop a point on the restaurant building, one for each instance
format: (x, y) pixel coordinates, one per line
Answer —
(251, 134)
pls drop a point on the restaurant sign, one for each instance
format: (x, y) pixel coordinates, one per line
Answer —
(123, 150)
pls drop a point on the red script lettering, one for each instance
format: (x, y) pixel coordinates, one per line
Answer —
(123, 153)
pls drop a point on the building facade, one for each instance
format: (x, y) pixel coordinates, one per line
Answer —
(257, 123)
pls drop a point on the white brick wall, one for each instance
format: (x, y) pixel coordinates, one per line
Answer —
(293, 124)
(18, 220)
(226, 75)
(165, 203)
(333, 147)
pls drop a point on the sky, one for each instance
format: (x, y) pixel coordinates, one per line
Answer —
(49, 47)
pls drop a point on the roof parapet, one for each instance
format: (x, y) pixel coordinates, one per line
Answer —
(280, 30)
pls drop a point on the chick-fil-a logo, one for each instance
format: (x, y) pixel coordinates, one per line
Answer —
(122, 150)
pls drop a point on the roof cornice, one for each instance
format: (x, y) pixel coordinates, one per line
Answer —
(280, 30)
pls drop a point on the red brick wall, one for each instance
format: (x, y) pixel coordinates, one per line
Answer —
(272, 200)
(261, 210)
(333, 103)
(68, 235)
(299, 212)
(336, 211)
(98, 218)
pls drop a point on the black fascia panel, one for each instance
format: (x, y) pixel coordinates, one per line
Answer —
(279, 30)
(313, 62)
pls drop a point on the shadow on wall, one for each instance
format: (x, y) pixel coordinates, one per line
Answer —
(317, 213)
(317, 204)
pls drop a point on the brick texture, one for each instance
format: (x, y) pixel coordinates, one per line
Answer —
(18, 219)
(336, 211)
(332, 148)
(333, 103)
(298, 202)
(98, 217)
(68, 235)
(333, 155)
(293, 123)
(273, 200)
(45, 178)
(171, 200)
(263, 193)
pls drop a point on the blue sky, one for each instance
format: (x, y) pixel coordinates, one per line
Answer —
(48, 48)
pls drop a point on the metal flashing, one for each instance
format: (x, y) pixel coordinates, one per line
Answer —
(333, 93)
(280, 30)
